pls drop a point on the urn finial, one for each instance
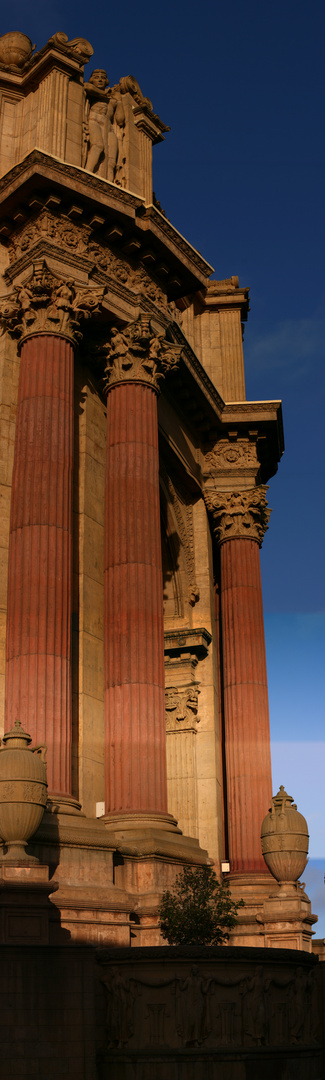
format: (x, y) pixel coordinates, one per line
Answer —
(284, 837)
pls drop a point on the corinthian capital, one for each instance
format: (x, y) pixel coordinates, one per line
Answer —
(46, 304)
(239, 513)
(137, 354)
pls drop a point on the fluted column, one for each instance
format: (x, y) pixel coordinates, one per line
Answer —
(133, 635)
(38, 683)
(45, 314)
(240, 521)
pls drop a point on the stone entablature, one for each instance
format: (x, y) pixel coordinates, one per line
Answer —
(233, 461)
(239, 514)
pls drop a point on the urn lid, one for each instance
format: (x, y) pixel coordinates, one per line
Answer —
(17, 738)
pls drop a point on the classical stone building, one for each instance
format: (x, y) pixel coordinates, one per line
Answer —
(133, 485)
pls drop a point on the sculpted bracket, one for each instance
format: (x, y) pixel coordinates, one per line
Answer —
(45, 304)
(243, 514)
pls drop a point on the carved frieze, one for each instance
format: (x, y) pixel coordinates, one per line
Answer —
(181, 704)
(53, 234)
(50, 228)
(217, 1005)
(137, 353)
(231, 455)
(46, 304)
(239, 514)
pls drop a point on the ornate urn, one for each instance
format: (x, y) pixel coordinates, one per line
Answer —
(23, 791)
(284, 837)
(15, 49)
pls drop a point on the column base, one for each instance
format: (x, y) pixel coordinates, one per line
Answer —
(143, 834)
(63, 804)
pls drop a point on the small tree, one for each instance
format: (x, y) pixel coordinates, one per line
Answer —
(198, 910)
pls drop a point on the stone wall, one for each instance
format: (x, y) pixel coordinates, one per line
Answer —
(160, 1014)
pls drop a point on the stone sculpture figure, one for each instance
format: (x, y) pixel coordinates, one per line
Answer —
(192, 1008)
(255, 1023)
(104, 129)
(119, 1008)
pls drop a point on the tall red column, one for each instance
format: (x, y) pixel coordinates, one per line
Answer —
(134, 642)
(38, 671)
(240, 522)
(45, 313)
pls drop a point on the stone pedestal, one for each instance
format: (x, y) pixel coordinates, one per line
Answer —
(25, 909)
(288, 918)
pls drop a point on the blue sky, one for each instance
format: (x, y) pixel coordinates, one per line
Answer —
(241, 175)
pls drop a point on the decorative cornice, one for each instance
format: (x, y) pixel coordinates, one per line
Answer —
(239, 514)
(50, 235)
(46, 304)
(137, 353)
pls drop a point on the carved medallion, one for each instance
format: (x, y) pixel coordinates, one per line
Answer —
(228, 455)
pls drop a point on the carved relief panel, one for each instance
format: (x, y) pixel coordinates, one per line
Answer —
(181, 703)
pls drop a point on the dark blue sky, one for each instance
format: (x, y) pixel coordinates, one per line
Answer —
(241, 175)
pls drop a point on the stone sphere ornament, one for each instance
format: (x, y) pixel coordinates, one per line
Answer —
(15, 49)
(23, 792)
(284, 837)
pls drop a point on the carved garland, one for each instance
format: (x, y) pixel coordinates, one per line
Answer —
(243, 514)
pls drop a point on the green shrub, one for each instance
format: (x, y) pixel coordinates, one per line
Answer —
(198, 910)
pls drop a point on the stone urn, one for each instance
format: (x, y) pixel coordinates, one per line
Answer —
(15, 49)
(23, 792)
(284, 837)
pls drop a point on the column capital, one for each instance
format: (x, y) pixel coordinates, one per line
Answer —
(138, 353)
(47, 304)
(239, 514)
